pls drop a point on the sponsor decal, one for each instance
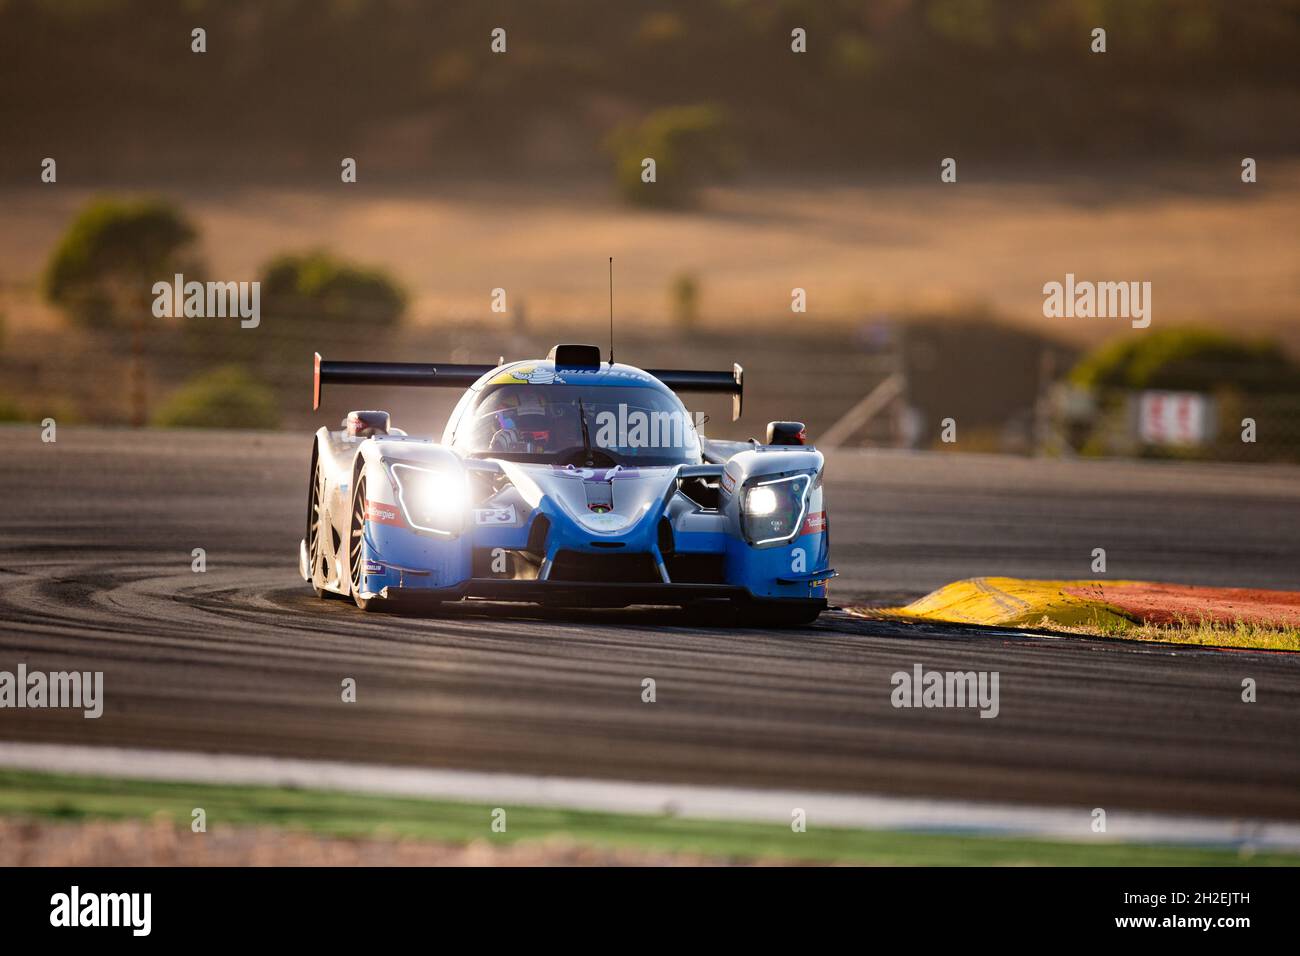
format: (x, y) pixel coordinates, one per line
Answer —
(728, 483)
(533, 375)
(530, 374)
(629, 374)
(814, 524)
(546, 374)
(374, 567)
(494, 516)
(381, 512)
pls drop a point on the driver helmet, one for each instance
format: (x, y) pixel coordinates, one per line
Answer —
(527, 418)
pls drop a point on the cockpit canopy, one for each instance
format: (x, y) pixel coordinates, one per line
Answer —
(626, 424)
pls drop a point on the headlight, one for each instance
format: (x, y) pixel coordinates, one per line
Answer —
(761, 501)
(432, 499)
(773, 509)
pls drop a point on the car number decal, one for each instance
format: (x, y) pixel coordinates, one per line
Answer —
(494, 515)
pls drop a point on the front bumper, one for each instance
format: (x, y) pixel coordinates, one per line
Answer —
(588, 594)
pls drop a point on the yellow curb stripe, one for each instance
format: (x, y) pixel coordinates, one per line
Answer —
(1013, 601)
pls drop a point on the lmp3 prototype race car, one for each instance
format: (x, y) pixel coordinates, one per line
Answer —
(571, 482)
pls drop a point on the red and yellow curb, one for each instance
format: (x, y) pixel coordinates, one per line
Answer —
(1101, 604)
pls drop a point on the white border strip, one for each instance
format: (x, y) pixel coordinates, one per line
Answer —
(683, 800)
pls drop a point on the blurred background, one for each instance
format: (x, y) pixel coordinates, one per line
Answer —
(776, 171)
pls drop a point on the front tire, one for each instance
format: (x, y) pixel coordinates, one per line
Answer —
(357, 545)
(315, 536)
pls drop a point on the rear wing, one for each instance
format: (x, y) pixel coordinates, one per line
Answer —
(443, 375)
(446, 375)
(723, 383)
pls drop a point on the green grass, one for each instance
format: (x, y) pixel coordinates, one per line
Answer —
(1203, 632)
(73, 799)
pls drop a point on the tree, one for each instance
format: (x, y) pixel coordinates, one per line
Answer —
(305, 291)
(103, 270)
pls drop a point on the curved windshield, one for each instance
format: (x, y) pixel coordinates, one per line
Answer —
(627, 424)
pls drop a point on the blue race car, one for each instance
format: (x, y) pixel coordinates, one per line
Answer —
(572, 482)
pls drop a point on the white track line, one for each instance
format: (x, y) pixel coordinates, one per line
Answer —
(715, 803)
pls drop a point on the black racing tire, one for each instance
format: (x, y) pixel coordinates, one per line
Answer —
(315, 536)
(356, 545)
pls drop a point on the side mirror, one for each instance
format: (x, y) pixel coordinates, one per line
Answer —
(786, 433)
(366, 424)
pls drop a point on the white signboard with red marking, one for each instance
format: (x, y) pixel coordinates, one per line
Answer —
(1175, 418)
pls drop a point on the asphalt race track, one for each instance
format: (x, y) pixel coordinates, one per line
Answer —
(95, 562)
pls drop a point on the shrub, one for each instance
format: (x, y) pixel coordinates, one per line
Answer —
(306, 299)
(227, 397)
(1190, 360)
(305, 290)
(689, 144)
(1252, 379)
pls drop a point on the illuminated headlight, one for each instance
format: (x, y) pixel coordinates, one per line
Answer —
(773, 509)
(432, 499)
(761, 501)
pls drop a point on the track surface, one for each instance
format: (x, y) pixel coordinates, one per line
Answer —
(95, 565)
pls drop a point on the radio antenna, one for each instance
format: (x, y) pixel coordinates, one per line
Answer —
(611, 310)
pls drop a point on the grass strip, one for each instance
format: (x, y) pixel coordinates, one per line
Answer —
(1205, 633)
(75, 799)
